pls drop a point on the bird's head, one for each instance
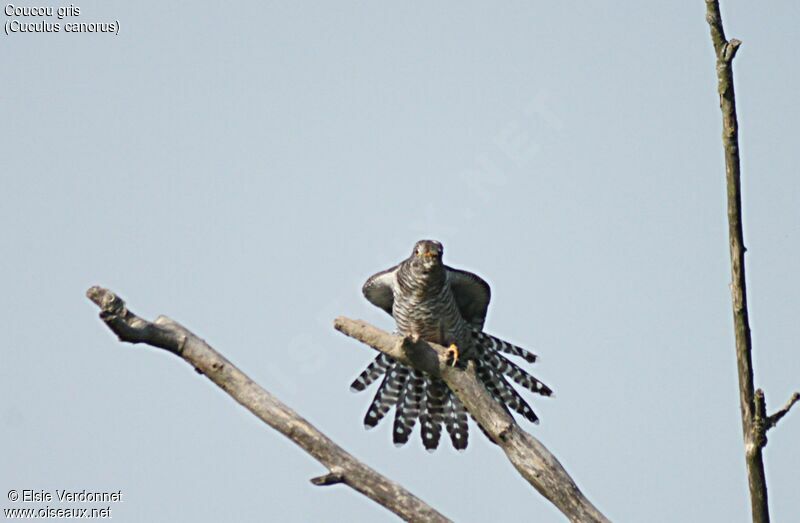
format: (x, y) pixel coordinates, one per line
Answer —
(427, 254)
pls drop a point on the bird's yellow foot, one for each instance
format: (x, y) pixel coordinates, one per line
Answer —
(452, 355)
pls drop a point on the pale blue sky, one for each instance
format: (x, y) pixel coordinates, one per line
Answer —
(244, 169)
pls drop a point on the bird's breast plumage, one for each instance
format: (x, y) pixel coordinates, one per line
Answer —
(424, 306)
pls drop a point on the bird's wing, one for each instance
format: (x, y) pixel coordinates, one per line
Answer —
(472, 295)
(378, 289)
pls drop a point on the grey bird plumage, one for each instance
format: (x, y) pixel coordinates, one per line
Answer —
(445, 306)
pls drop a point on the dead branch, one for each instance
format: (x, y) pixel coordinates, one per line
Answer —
(783, 411)
(343, 467)
(755, 422)
(531, 459)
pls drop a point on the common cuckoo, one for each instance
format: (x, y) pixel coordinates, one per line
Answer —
(447, 306)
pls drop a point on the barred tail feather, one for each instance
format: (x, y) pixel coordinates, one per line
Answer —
(503, 366)
(491, 370)
(455, 417)
(374, 370)
(432, 414)
(484, 373)
(388, 394)
(496, 344)
(408, 408)
(512, 398)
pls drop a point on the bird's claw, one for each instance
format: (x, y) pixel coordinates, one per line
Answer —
(451, 355)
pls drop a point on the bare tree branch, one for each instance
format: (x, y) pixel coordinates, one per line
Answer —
(755, 422)
(783, 411)
(531, 459)
(344, 468)
(752, 426)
